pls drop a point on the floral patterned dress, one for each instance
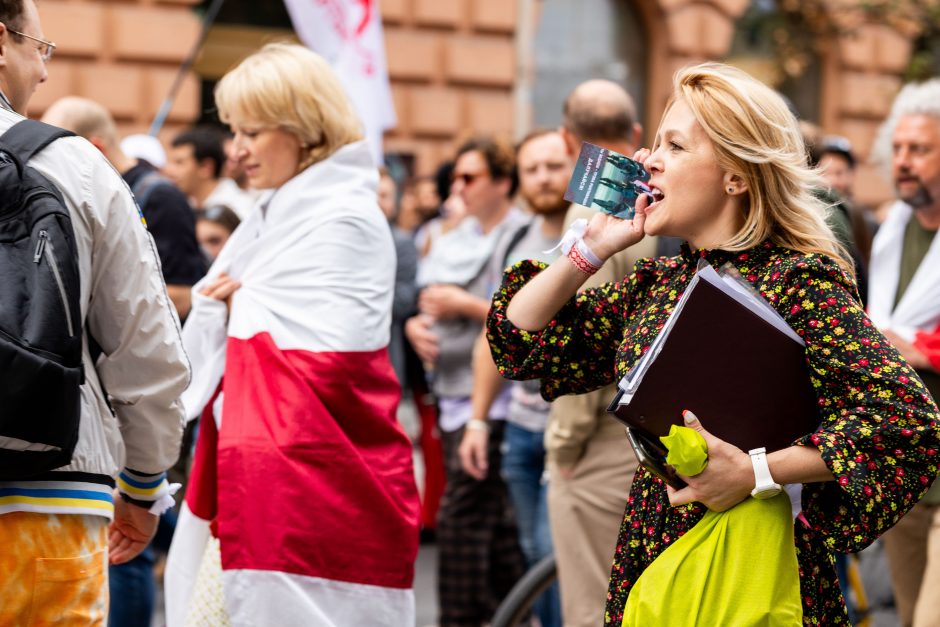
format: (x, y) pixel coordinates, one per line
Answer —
(879, 432)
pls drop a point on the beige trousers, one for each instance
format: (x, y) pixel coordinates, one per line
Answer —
(913, 550)
(585, 512)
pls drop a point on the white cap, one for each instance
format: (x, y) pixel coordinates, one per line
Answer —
(146, 147)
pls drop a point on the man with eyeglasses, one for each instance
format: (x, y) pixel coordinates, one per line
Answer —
(59, 530)
(25, 53)
(46, 48)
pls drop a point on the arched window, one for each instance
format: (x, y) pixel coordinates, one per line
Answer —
(576, 41)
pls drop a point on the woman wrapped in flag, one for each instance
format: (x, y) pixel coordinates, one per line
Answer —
(729, 176)
(301, 468)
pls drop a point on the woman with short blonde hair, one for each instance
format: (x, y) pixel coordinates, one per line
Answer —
(301, 464)
(291, 87)
(728, 175)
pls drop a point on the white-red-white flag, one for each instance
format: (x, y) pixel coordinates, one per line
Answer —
(348, 34)
(305, 472)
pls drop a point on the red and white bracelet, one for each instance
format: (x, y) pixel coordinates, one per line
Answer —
(581, 260)
(578, 252)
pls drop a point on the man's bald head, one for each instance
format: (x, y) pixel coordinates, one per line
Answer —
(86, 118)
(603, 113)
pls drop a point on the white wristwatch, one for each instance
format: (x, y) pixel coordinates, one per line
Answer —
(764, 485)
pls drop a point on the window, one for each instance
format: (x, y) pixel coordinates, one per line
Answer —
(576, 41)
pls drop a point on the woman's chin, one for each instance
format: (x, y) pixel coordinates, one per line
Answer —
(652, 226)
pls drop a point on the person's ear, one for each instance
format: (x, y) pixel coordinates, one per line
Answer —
(504, 184)
(734, 184)
(572, 145)
(636, 136)
(4, 40)
(98, 143)
(206, 168)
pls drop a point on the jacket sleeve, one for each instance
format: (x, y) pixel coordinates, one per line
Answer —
(878, 431)
(143, 367)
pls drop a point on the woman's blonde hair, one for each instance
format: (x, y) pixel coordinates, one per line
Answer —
(288, 86)
(756, 137)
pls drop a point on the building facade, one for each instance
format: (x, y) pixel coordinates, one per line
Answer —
(459, 67)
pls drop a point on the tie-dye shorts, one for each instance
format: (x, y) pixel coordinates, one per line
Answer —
(54, 569)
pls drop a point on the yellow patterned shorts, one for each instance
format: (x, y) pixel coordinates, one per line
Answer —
(54, 569)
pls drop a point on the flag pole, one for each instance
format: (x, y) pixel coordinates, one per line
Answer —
(184, 68)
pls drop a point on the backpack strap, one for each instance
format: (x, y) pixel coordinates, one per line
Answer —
(514, 241)
(27, 137)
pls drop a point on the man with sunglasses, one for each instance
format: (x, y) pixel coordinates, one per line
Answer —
(479, 554)
(60, 529)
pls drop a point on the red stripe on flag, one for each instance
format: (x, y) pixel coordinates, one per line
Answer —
(201, 488)
(314, 472)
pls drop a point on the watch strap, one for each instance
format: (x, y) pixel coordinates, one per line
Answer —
(763, 480)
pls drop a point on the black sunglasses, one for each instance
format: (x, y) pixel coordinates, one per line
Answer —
(466, 177)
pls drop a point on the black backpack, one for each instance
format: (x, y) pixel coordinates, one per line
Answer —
(40, 312)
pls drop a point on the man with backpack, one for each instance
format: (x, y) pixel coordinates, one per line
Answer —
(77, 265)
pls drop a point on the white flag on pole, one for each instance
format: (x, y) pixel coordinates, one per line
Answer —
(348, 34)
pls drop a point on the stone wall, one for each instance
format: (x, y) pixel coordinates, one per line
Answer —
(452, 64)
(862, 85)
(124, 55)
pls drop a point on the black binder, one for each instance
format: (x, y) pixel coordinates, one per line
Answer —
(745, 379)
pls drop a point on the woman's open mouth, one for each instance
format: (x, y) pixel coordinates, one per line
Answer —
(656, 195)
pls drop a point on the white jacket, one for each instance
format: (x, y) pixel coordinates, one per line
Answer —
(125, 307)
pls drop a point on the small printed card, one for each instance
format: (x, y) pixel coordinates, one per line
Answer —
(607, 181)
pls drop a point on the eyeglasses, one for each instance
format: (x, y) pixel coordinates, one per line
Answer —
(466, 177)
(46, 48)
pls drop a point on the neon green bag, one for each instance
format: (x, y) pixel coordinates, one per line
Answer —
(735, 568)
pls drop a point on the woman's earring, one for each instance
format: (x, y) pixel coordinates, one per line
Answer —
(730, 190)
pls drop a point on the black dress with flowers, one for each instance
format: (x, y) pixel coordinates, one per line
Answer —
(879, 432)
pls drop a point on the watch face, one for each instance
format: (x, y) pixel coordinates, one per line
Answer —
(767, 493)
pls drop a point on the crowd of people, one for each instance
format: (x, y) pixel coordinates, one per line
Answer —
(277, 323)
